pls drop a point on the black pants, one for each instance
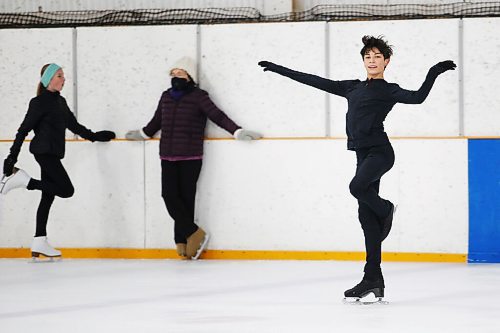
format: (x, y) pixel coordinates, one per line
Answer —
(178, 181)
(54, 182)
(372, 164)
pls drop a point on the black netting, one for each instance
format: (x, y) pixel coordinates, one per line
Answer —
(237, 15)
(400, 11)
(128, 17)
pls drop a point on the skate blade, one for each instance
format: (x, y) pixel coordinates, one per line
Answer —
(3, 182)
(202, 248)
(42, 258)
(360, 301)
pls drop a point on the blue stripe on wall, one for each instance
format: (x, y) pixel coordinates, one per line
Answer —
(484, 200)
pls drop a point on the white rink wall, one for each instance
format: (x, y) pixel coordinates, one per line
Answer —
(286, 192)
(265, 195)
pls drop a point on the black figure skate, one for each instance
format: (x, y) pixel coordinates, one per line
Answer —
(363, 289)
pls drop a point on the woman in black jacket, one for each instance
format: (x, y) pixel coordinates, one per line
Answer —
(48, 116)
(369, 102)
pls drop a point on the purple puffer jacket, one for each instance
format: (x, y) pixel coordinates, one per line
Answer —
(182, 123)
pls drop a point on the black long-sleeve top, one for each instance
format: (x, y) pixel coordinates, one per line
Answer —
(369, 102)
(48, 116)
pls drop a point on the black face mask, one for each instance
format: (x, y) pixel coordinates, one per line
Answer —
(179, 83)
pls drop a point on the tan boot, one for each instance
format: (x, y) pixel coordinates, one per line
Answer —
(181, 251)
(196, 243)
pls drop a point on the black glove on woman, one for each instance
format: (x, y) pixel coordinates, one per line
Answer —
(8, 165)
(104, 136)
(443, 66)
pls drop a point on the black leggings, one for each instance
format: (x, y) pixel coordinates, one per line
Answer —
(54, 182)
(372, 164)
(178, 181)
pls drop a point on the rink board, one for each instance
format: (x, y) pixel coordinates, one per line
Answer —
(279, 197)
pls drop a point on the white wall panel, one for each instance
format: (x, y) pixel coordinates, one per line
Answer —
(122, 72)
(264, 195)
(279, 195)
(414, 54)
(266, 102)
(481, 70)
(107, 209)
(23, 52)
(429, 184)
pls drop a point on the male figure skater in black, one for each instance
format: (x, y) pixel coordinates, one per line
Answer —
(369, 102)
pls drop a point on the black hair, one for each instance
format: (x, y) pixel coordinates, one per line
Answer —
(371, 42)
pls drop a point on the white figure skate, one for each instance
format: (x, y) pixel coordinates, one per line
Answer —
(41, 248)
(19, 179)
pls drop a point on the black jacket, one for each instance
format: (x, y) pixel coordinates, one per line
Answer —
(369, 102)
(48, 116)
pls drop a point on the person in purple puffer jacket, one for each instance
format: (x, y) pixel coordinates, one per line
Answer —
(181, 116)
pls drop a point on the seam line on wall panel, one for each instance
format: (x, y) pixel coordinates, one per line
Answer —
(75, 72)
(327, 75)
(461, 113)
(198, 53)
(144, 193)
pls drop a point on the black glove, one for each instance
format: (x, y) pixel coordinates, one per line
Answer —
(104, 136)
(443, 66)
(8, 165)
(268, 66)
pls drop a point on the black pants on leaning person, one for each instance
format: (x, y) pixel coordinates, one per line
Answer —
(372, 164)
(54, 181)
(178, 179)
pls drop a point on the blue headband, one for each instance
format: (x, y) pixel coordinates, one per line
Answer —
(48, 74)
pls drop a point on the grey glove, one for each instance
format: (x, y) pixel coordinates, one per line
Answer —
(135, 135)
(242, 134)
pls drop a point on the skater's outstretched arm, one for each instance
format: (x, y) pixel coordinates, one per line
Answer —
(339, 88)
(416, 97)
